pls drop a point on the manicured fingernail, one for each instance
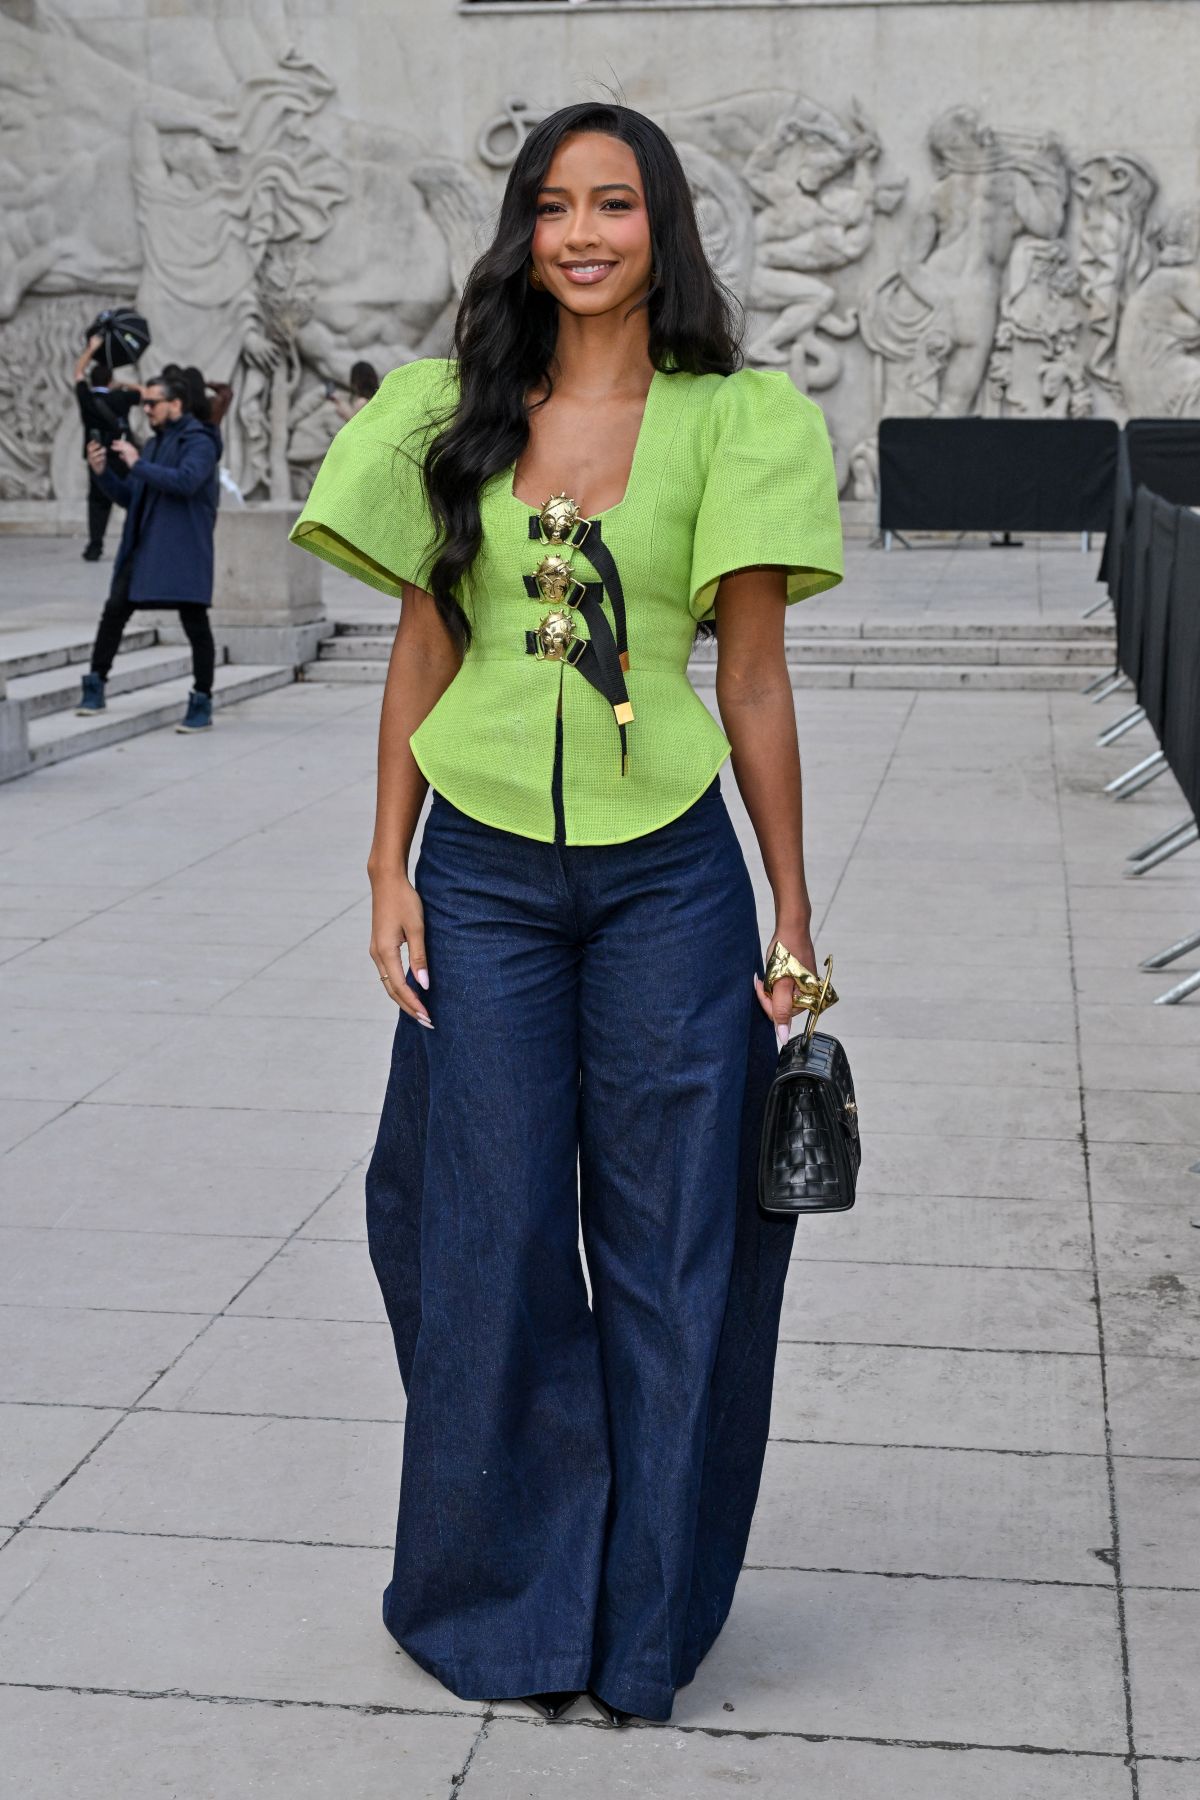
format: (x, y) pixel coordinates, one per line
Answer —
(422, 976)
(783, 1033)
(426, 1022)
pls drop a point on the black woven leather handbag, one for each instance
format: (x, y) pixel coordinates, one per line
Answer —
(811, 1152)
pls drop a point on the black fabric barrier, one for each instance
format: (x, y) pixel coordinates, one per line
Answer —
(1180, 735)
(1160, 579)
(1162, 455)
(996, 474)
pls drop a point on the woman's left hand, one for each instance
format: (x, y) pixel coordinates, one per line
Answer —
(778, 1003)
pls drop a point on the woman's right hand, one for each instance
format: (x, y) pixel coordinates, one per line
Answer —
(398, 918)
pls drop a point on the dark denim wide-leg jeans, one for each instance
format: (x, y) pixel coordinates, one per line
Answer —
(578, 1480)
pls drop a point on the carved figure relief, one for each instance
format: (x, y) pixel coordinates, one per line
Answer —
(787, 194)
(933, 321)
(273, 240)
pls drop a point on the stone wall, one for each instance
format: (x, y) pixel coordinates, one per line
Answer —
(983, 206)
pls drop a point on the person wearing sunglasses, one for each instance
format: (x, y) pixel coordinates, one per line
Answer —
(169, 491)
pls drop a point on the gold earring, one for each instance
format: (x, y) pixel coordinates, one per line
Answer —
(535, 279)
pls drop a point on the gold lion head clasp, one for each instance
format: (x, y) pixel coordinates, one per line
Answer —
(554, 578)
(558, 518)
(555, 634)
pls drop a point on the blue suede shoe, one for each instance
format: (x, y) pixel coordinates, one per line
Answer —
(199, 713)
(92, 698)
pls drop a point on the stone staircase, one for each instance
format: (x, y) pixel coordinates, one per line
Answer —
(894, 654)
(147, 689)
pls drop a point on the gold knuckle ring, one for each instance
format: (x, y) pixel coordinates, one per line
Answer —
(809, 992)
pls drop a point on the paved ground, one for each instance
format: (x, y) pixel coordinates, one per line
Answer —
(941, 583)
(974, 1568)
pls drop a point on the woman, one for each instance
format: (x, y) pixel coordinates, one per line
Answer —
(364, 385)
(583, 1035)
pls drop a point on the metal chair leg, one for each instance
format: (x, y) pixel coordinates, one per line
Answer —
(1164, 837)
(1172, 953)
(1098, 682)
(1123, 725)
(1174, 995)
(1111, 686)
(1088, 611)
(1167, 851)
(1147, 762)
(1135, 787)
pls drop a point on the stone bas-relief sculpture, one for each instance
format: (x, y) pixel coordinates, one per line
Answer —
(274, 240)
(267, 238)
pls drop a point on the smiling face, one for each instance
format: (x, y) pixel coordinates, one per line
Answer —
(591, 243)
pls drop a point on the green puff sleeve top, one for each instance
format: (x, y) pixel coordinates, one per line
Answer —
(728, 471)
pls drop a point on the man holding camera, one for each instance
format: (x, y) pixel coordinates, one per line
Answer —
(169, 491)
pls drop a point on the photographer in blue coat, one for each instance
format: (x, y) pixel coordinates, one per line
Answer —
(169, 491)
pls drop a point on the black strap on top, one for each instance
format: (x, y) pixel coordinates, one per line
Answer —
(603, 658)
(588, 531)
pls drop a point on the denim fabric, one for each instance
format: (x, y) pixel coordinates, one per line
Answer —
(578, 1480)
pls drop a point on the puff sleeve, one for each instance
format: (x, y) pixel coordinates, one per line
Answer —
(367, 513)
(770, 494)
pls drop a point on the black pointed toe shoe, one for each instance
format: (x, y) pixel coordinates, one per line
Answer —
(611, 1715)
(551, 1706)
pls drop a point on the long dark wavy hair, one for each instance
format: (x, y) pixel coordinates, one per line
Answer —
(505, 332)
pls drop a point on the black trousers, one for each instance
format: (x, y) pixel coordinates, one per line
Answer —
(195, 621)
(98, 508)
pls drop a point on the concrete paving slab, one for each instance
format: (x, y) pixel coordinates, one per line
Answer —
(344, 1214)
(867, 1394)
(1013, 1168)
(42, 1444)
(1151, 1311)
(157, 1271)
(81, 1357)
(514, 1759)
(1163, 1632)
(955, 1062)
(1053, 1023)
(1158, 1507)
(1147, 1174)
(297, 1480)
(1168, 1781)
(931, 1512)
(230, 1200)
(20, 1119)
(187, 1615)
(1153, 1238)
(1154, 1405)
(11, 947)
(315, 1280)
(65, 1053)
(943, 1230)
(210, 1138)
(1000, 1663)
(267, 1063)
(1122, 1117)
(303, 1368)
(1172, 1070)
(982, 1309)
(272, 996)
(62, 1746)
(974, 1110)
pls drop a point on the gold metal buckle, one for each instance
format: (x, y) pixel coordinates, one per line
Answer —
(556, 634)
(554, 579)
(558, 518)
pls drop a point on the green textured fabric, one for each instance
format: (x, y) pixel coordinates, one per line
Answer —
(728, 471)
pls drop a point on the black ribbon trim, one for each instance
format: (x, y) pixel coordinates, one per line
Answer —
(603, 658)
